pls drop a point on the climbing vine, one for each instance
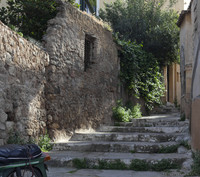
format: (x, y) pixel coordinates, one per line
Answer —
(140, 73)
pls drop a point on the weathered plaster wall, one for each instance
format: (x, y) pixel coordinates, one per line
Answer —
(2, 3)
(22, 79)
(195, 121)
(186, 49)
(77, 98)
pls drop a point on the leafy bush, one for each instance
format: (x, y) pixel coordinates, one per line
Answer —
(136, 111)
(45, 143)
(140, 73)
(29, 16)
(146, 22)
(123, 114)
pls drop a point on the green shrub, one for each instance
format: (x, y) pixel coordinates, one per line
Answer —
(124, 114)
(195, 171)
(45, 143)
(136, 111)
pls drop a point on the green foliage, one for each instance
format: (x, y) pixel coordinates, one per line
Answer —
(168, 149)
(45, 143)
(80, 163)
(14, 137)
(124, 114)
(116, 164)
(140, 165)
(195, 171)
(183, 117)
(164, 164)
(185, 144)
(29, 16)
(136, 111)
(136, 164)
(143, 21)
(140, 73)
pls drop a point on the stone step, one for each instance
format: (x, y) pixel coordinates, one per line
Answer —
(102, 159)
(97, 146)
(128, 137)
(161, 129)
(150, 122)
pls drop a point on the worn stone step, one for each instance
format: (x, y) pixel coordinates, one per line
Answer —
(97, 146)
(183, 129)
(128, 137)
(95, 159)
(142, 122)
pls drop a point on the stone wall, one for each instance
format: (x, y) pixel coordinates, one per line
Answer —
(79, 95)
(22, 80)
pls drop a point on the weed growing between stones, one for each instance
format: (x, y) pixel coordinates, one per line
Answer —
(136, 164)
(195, 168)
(173, 148)
(44, 142)
(80, 163)
(185, 144)
(182, 118)
(164, 164)
(14, 137)
(168, 149)
(139, 165)
(116, 164)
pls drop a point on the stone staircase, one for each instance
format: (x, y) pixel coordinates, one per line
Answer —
(153, 143)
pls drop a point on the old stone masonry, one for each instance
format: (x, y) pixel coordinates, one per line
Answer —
(156, 145)
(71, 83)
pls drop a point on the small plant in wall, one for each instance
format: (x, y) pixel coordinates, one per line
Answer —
(45, 143)
(123, 114)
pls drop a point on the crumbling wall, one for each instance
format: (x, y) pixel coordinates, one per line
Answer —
(22, 80)
(80, 94)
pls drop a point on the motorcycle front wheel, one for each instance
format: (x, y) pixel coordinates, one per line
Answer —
(27, 172)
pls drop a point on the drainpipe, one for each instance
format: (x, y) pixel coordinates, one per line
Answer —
(98, 7)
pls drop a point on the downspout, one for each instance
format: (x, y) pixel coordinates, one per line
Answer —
(98, 7)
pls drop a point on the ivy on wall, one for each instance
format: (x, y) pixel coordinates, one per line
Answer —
(140, 73)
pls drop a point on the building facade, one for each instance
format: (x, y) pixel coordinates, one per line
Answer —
(189, 21)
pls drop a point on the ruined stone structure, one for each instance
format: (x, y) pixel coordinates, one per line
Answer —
(190, 60)
(83, 72)
(22, 82)
(73, 86)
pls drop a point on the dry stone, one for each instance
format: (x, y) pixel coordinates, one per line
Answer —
(78, 97)
(56, 89)
(22, 75)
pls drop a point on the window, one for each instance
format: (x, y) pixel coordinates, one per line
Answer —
(89, 51)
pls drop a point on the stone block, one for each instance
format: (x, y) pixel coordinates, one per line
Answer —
(2, 126)
(1, 142)
(10, 125)
(3, 116)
